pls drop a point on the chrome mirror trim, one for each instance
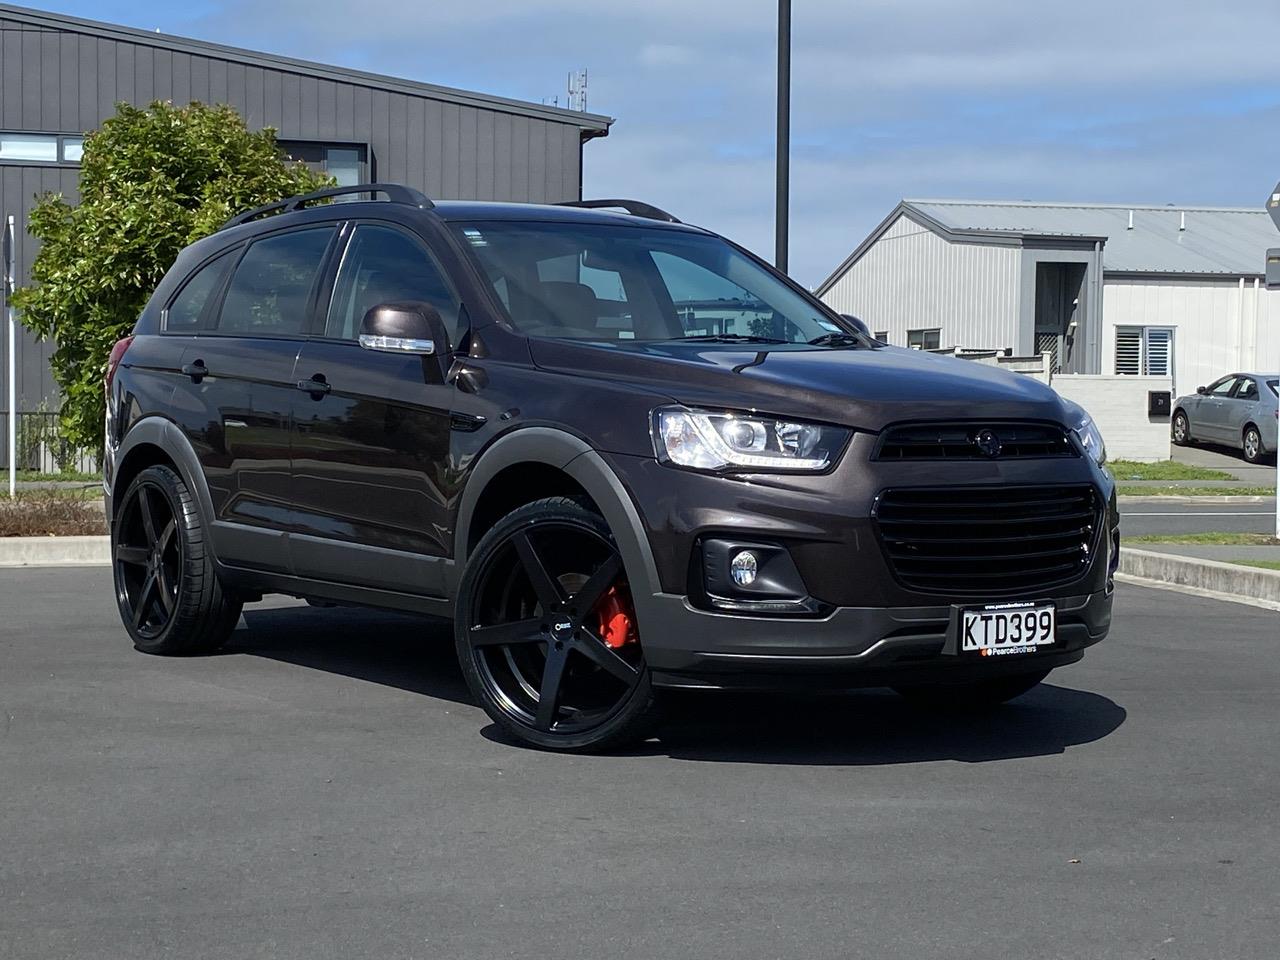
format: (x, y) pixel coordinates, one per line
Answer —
(397, 344)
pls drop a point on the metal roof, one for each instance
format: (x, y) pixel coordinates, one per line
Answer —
(1164, 239)
(592, 124)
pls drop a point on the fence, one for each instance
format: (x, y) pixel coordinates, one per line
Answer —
(40, 449)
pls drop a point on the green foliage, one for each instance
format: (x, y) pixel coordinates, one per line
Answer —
(151, 182)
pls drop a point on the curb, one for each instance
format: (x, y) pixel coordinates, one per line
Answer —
(1229, 579)
(54, 551)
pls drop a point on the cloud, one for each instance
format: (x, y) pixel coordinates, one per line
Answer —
(1142, 100)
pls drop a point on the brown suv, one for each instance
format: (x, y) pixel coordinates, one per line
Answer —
(620, 452)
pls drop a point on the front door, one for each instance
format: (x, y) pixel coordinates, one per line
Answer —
(1214, 411)
(372, 470)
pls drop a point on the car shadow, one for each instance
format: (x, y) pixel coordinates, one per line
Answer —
(396, 650)
(877, 727)
(872, 727)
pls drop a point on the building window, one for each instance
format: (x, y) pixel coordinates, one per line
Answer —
(882, 336)
(41, 148)
(924, 339)
(344, 162)
(1144, 351)
(343, 165)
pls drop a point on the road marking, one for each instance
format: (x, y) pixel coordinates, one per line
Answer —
(1256, 513)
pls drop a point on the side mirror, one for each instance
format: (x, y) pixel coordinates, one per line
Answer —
(408, 327)
(1202, 390)
(856, 323)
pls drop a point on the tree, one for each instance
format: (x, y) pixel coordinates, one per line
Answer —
(151, 182)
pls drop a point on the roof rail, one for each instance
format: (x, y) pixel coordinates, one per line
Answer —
(636, 208)
(396, 193)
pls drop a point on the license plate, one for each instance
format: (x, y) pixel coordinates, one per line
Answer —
(1005, 629)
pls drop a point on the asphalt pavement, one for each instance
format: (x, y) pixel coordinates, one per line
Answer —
(325, 788)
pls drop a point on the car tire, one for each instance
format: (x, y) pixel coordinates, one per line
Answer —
(1181, 429)
(971, 696)
(167, 588)
(528, 636)
(1251, 445)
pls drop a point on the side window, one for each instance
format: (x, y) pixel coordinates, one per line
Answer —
(1248, 389)
(1223, 387)
(383, 265)
(186, 309)
(271, 288)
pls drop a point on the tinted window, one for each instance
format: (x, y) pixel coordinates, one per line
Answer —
(606, 282)
(271, 287)
(1248, 389)
(186, 309)
(383, 265)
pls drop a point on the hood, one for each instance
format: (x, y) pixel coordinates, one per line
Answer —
(864, 388)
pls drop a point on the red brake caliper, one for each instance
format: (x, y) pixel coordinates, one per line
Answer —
(617, 628)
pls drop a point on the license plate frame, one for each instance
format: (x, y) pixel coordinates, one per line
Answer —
(973, 638)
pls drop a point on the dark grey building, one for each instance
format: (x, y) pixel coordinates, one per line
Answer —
(61, 76)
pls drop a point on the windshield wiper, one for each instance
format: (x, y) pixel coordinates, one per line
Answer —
(837, 340)
(732, 338)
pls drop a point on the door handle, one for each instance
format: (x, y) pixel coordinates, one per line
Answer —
(196, 370)
(317, 386)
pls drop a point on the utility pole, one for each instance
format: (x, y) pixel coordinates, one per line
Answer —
(1272, 272)
(10, 278)
(782, 210)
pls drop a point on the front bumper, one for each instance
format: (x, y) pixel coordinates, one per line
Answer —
(851, 647)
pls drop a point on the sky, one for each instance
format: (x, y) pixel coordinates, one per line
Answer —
(1128, 101)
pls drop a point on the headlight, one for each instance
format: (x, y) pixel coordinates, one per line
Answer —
(726, 441)
(1087, 433)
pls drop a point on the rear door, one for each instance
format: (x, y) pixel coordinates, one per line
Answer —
(236, 399)
(1241, 408)
(372, 473)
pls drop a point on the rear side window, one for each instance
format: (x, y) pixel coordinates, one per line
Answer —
(383, 265)
(187, 308)
(271, 289)
(1248, 390)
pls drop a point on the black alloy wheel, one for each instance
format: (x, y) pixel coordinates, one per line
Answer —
(546, 631)
(147, 560)
(167, 590)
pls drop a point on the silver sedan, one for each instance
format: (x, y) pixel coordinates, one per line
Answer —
(1239, 410)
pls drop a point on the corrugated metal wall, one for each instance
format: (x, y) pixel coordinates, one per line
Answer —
(1219, 326)
(61, 81)
(913, 279)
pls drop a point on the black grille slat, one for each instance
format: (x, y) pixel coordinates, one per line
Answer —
(956, 441)
(988, 540)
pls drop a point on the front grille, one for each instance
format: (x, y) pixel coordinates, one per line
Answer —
(959, 441)
(988, 540)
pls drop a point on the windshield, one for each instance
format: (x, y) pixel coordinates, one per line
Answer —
(604, 282)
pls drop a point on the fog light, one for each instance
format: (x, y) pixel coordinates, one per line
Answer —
(743, 568)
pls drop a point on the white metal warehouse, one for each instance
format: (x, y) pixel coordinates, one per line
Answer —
(1181, 291)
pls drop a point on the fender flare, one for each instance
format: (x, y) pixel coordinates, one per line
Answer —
(160, 432)
(578, 460)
